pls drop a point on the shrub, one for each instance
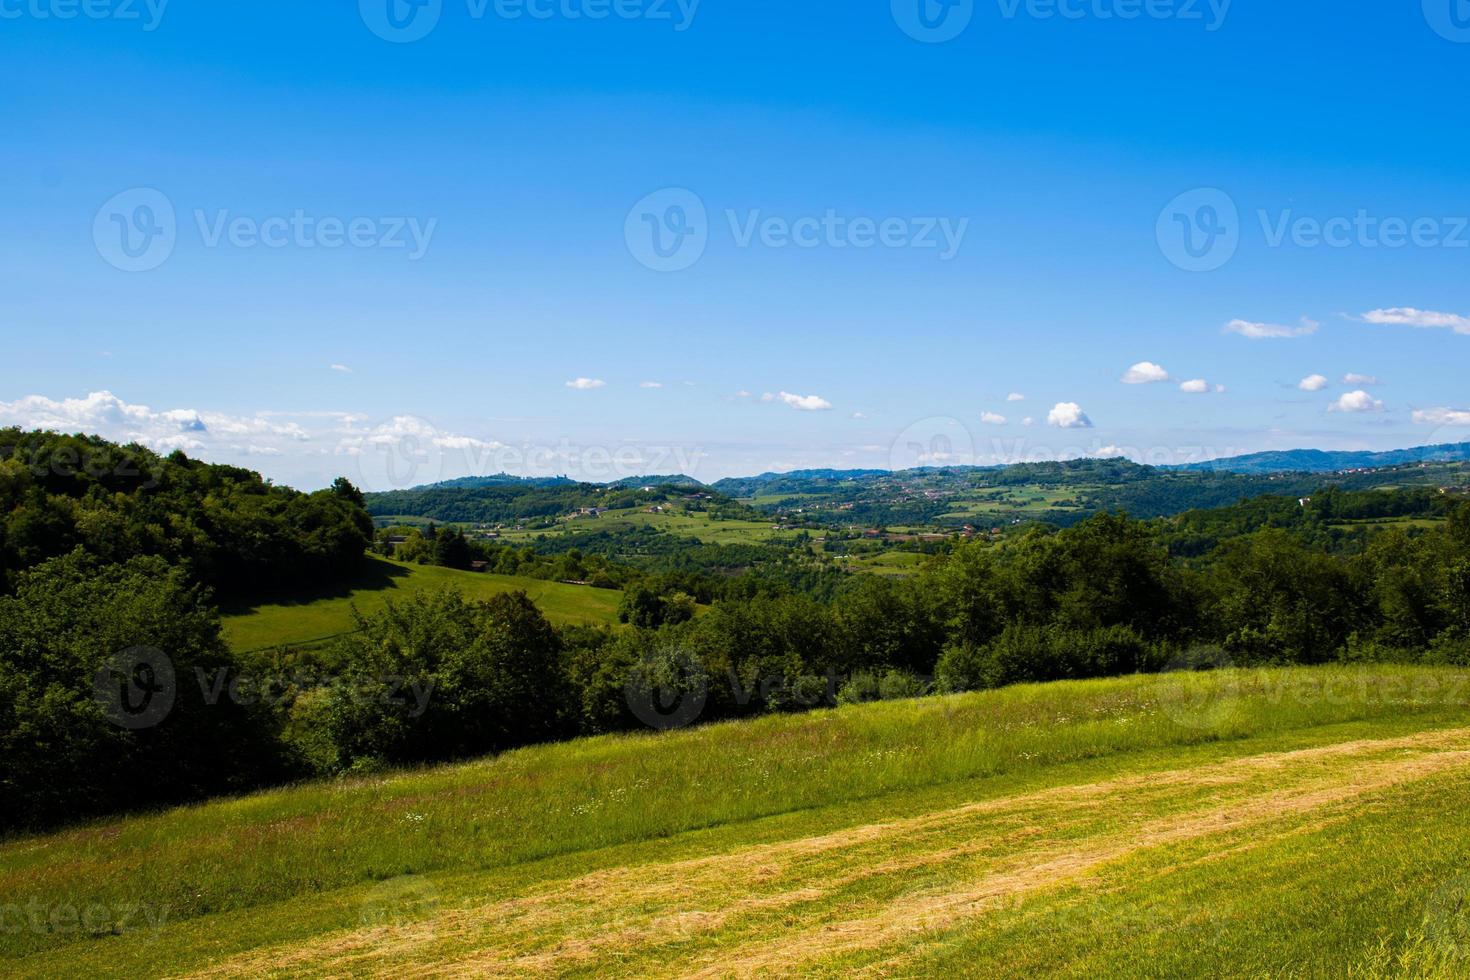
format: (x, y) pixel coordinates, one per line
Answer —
(1044, 653)
(440, 677)
(67, 750)
(892, 685)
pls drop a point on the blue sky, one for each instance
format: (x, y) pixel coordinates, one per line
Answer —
(502, 175)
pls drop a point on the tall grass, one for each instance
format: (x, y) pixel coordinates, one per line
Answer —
(557, 799)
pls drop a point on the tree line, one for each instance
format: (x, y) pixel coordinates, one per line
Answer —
(232, 530)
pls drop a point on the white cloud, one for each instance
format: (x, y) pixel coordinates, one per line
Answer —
(1197, 386)
(742, 394)
(992, 418)
(1271, 331)
(859, 415)
(451, 441)
(586, 384)
(1015, 396)
(651, 384)
(407, 444)
(802, 403)
(1028, 421)
(1360, 379)
(1068, 415)
(1407, 316)
(1357, 401)
(1313, 382)
(103, 413)
(1144, 373)
(1443, 416)
(342, 368)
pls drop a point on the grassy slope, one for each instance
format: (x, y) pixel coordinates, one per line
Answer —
(1305, 821)
(694, 524)
(322, 616)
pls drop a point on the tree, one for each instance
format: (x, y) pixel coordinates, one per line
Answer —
(440, 677)
(103, 670)
(883, 623)
(452, 550)
(344, 488)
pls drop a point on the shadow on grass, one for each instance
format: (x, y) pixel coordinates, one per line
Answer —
(375, 574)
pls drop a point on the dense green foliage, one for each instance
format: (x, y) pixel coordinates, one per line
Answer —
(1102, 598)
(440, 677)
(232, 530)
(504, 503)
(63, 756)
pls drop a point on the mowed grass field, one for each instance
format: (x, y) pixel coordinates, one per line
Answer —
(301, 623)
(1302, 822)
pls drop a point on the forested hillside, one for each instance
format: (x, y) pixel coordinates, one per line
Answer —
(230, 529)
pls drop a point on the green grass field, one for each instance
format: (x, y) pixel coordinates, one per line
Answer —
(696, 525)
(321, 617)
(1300, 822)
(891, 563)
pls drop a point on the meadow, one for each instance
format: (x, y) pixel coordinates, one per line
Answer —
(696, 525)
(315, 617)
(897, 564)
(1299, 821)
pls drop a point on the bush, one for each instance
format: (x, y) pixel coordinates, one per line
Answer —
(893, 685)
(440, 677)
(69, 747)
(1044, 653)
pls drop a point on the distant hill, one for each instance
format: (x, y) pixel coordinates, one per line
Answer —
(498, 480)
(675, 480)
(1320, 461)
(750, 486)
(1060, 493)
(507, 480)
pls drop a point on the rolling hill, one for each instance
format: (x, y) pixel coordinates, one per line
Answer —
(1309, 821)
(320, 616)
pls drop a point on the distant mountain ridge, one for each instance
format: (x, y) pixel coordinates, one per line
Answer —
(1252, 464)
(1324, 461)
